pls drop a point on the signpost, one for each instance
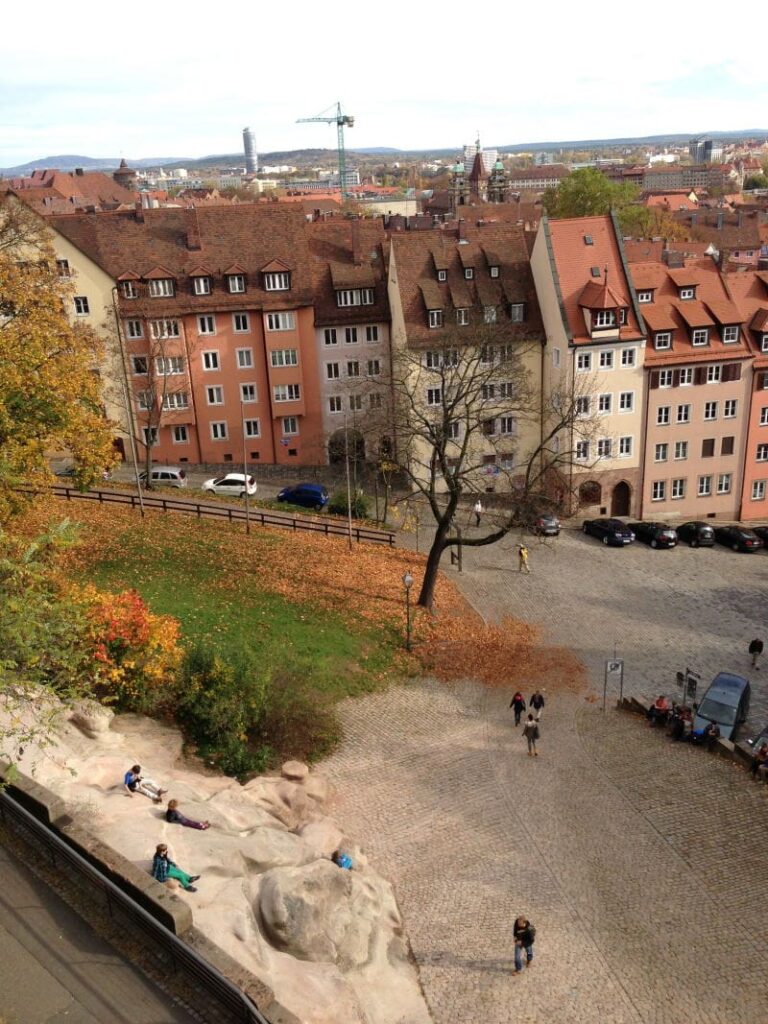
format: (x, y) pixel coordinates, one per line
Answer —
(688, 682)
(614, 669)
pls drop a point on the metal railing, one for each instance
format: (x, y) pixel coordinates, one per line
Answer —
(328, 527)
(172, 951)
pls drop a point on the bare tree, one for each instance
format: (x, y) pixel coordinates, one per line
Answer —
(465, 414)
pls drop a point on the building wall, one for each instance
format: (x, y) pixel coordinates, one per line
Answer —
(696, 465)
(753, 507)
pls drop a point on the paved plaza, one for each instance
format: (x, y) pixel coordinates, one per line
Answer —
(641, 862)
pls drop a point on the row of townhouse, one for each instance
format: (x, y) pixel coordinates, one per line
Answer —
(669, 359)
(250, 329)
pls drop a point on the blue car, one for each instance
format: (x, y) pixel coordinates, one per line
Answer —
(306, 495)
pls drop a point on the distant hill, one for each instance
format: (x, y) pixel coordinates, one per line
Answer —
(307, 157)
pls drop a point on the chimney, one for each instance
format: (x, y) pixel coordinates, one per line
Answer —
(193, 229)
(739, 218)
(720, 218)
(462, 229)
(357, 248)
(79, 172)
(139, 210)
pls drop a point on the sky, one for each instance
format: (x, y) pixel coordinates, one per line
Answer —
(182, 80)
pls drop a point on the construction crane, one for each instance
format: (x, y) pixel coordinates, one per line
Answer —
(340, 120)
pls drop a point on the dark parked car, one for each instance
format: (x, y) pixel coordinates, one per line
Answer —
(307, 495)
(762, 533)
(546, 526)
(609, 531)
(738, 538)
(697, 535)
(726, 702)
(658, 535)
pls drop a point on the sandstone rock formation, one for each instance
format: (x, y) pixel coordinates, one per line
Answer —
(328, 942)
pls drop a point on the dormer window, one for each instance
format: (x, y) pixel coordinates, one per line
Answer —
(687, 293)
(235, 283)
(160, 288)
(700, 336)
(469, 273)
(128, 290)
(462, 318)
(764, 343)
(605, 318)
(201, 285)
(435, 318)
(277, 282)
(442, 275)
(355, 297)
(622, 316)
(494, 271)
(730, 335)
(662, 339)
(517, 312)
(646, 296)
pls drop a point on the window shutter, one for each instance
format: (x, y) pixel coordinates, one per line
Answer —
(675, 378)
(654, 378)
(700, 375)
(736, 374)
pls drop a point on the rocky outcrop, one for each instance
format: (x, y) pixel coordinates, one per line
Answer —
(327, 942)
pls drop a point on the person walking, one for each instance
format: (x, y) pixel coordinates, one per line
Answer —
(164, 868)
(537, 703)
(478, 511)
(756, 649)
(518, 704)
(524, 934)
(531, 733)
(522, 559)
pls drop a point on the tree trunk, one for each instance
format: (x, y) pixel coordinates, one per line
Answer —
(427, 594)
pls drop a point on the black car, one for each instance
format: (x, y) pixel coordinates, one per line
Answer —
(697, 535)
(762, 533)
(609, 531)
(658, 535)
(738, 538)
(307, 495)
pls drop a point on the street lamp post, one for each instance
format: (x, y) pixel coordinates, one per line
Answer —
(407, 583)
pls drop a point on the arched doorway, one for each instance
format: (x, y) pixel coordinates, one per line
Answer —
(621, 499)
(337, 447)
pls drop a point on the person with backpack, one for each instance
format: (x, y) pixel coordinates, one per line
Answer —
(518, 704)
(531, 734)
(756, 649)
(524, 935)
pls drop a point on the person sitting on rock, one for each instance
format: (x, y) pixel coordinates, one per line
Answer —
(342, 860)
(135, 783)
(164, 868)
(174, 816)
(759, 760)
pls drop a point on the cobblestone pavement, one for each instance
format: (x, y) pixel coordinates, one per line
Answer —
(641, 862)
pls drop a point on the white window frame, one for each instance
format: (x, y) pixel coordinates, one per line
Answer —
(677, 491)
(764, 343)
(128, 290)
(201, 285)
(581, 451)
(628, 356)
(355, 297)
(374, 368)
(241, 323)
(82, 305)
(145, 361)
(462, 317)
(350, 335)
(686, 377)
(714, 373)
(730, 408)
(663, 416)
(517, 312)
(761, 454)
(374, 400)
(645, 296)
(235, 284)
(435, 318)
(442, 275)
(355, 403)
(758, 490)
(169, 366)
(626, 401)
(286, 392)
(687, 293)
(251, 428)
(334, 404)
(284, 357)
(730, 334)
(665, 378)
(661, 452)
(244, 358)
(283, 321)
(556, 358)
(165, 328)
(724, 483)
(662, 340)
(134, 329)
(175, 400)
(508, 426)
(278, 281)
(493, 270)
(659, 490)
(372, 334)
(204, 322)
(211, 360)
(161, 288)
(681, 451)
(353, 368)
(290, 426)
(704, 488)
(151, 436)
(683, 414)
(583, 362)
(626, 443)
(249, 393)
(582, 404)
(605, 448)
(434, 396)
(699, 336)
(606, 359)
(219, 430)
(332, 371)
(469, 273)
(329, 336)
(710, 411)
(764, 416)
(605, 404)
(179, 434)
(214, 394)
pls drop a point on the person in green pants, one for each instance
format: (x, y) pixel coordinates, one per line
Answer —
(164, 868)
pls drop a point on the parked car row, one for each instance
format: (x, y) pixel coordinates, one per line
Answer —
(662, 535)
(237, 485)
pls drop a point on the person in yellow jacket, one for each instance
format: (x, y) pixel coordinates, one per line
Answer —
(522, 559)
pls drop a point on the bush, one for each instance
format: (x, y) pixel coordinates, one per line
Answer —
(360, 504)
(245, 721)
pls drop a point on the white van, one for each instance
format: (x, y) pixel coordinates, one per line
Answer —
(165, 476)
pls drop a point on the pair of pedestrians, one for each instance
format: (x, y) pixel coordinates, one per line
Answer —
(531, 727)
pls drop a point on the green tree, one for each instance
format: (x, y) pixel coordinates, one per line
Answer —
(756, 181)
(587, 193)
